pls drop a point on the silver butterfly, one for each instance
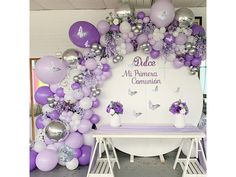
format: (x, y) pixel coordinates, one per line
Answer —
(137, 114)
(131, 92)
(153, 106)
(81, 33)
(155, 89)
(177, 90)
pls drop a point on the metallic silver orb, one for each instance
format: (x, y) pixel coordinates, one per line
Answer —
(193, 70)
(185, 17)
(50, 99)
(56, 130)
(51, 105)
(188, 45)
(192, 51)
(72, 56)
(124, 10)
(76, 78)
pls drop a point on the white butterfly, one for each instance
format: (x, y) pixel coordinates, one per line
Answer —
(177, 90)
(137, 114)
(55, 69)
(156, 89)
(153, 106)
(131, 93)
(81, 33)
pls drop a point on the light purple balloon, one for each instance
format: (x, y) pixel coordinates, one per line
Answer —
(41, 95)
(84, 126)
(87, 114)
(188, 57)
(158, 45)
(197, 29)
(39, 122)
(75, 86)
(155, 53)
(33, 156)
(77, 153)
(140, 15)
(50, 70)
(142, 38)
(97, 71)
(46, 160)
(54, 87)
(86, 91)
(187, 63)
(47, 140)
(196, 61)
(103, 27)
(129, 47)
(83, 34)
(84, 159)
(181, 39)
(95, 119)
(54, 114)
(178, 64)
(169, 39)
(60, 92)
(91, 64)
(74, 140)
(115, 28)
(162, 13)
(105, 67)
(107, 74)
(59, 144)
(96, 103)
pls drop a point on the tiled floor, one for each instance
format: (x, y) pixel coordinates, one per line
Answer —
(142, 167)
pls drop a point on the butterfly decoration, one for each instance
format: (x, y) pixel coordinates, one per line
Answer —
(55, 69)
(131, 92)
(177, 90)
(155, 89)
(81, 33)
(153, 106)
(137, 114)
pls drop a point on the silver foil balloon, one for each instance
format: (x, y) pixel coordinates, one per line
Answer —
(65, 154)
(79, 78)
(72, 56)
(50, 99)
(56, 130)
(137, 29)
(193, 70)
(95, 91)
(124, 10)
(97, 49)
(145, 47)
(188, 45)
(185, 17)
(117, 58)
(192, 51)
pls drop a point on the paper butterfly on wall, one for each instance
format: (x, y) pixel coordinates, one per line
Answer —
(153, 106)
(137, 114)
(155, 89)
(177, 90)
(131, 92)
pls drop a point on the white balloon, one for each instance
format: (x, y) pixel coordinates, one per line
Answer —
(73, 164)
(39, 146)
(103, 40)
(74, 72)
(86, 103)
(78, 94)
(190, 39)
(125, 27)
(46, 108)
(186, 147)
(76, 116)
(89, 139)
(46, 122)
(69, 97)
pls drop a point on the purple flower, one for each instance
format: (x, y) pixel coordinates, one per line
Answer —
(177, 107)
(116, 106)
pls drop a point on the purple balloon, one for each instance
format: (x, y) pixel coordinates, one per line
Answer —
(162, 13)
(85, 157)
(77, 153)
(115, 28)
(74, 140)
(86, 91)
(87, 114)
(95, 119)
(91, 64)
(96, 103)
(169, 39)
(103, 27)
(83, 34)
(47, 140)
(60, 92)
(75, 86)
(181, 39)
(50, 70)
(46, 160)
(142, 38)
(41, 95)
(188, 57)
(54, 114)
(196, 61)
(155, 53)
(187, 63)
(197, 30)
(39, 122)
(140, 15)
(84, 126)
(129, 47)
(178, 64)
(33, 156)
(105, 67)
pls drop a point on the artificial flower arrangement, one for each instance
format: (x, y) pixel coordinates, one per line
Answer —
(115, 107)
(179, 107)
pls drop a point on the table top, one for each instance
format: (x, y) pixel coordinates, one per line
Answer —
(148, 131)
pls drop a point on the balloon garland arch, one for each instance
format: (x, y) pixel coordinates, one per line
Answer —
(70, 100)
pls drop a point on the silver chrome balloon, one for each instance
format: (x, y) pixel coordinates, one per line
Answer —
(95, 91)
(192, 51)
(145, 47)
(124, 10)
(72, 56)
(56, 130)
(97, 49)
(137, 29)
(185, 17)
(117, 58)
(50, 99)
(193, 70)
(188, 45)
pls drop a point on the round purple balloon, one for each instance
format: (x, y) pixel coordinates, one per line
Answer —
(77, 153)
(115, 28)
(187, 63)
(95, 119)
(105, 67)
(39, 122)
(85, 156)
(60, 92)
(84, 126)
(140, 15)
(75, 86)
(33, 156)
(54, 114)
(197, 30)
(41, 95)
(188, 57)
(103, 27)
(196, 61)
(83, 34)
(181, 39)
(178, 64)
(169, 39)
(155, 53)
(96, 103)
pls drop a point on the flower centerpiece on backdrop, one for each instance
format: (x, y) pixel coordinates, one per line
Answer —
(115, 109)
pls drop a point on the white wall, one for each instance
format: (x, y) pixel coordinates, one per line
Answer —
(49, 29)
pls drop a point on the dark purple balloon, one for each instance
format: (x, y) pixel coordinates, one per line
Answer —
(96, 103)
(140, 15)
(187, 63)
(60, 92)
(33, 156)
(105, 67)
(77, 153)
(95, 119)
(197, 29)
(196, 61)
(188, 57)
(85, 157)
(41, 95)
(84, 34)
(39, 122)
(155, 53)
(114, 28)
(54, 114)
(169, 39)
(75, 86)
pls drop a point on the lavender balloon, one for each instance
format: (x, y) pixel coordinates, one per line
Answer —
(84, 126)
(115, 28)
(87, 114)
(196, 61)
(142, 38)
(197, 30)
(33, 156)
(96, 103)
(105, 67)
(50, 70)
(54, 114)
(140, 15)
(103, 27)
(41, 95)
(169, 39)
(181, 39)
(83, 34)
(77, 153)
(60, 92)
(74, 140)
(155, 53)
(85, 157)
(75, 86)
(162, 13)
(39, 122)
(178, 64)
(95, 119)
(46, 160)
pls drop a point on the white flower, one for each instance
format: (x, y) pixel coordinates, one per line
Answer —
(162, 29)
(182, 111)
(116, 21)
(112, 111)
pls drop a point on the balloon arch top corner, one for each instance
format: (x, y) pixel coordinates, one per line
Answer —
(70, 100)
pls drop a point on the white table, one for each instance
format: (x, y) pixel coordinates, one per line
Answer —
(103, 167)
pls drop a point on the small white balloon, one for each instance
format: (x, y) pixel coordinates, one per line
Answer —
(125, 27)
(78, 94)
(69, 97)
(74, 72)
(89, 140)
(103, 40)
(190, 39)
(46, 108)
(39, 146)
(86, 103)
(73, 164)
